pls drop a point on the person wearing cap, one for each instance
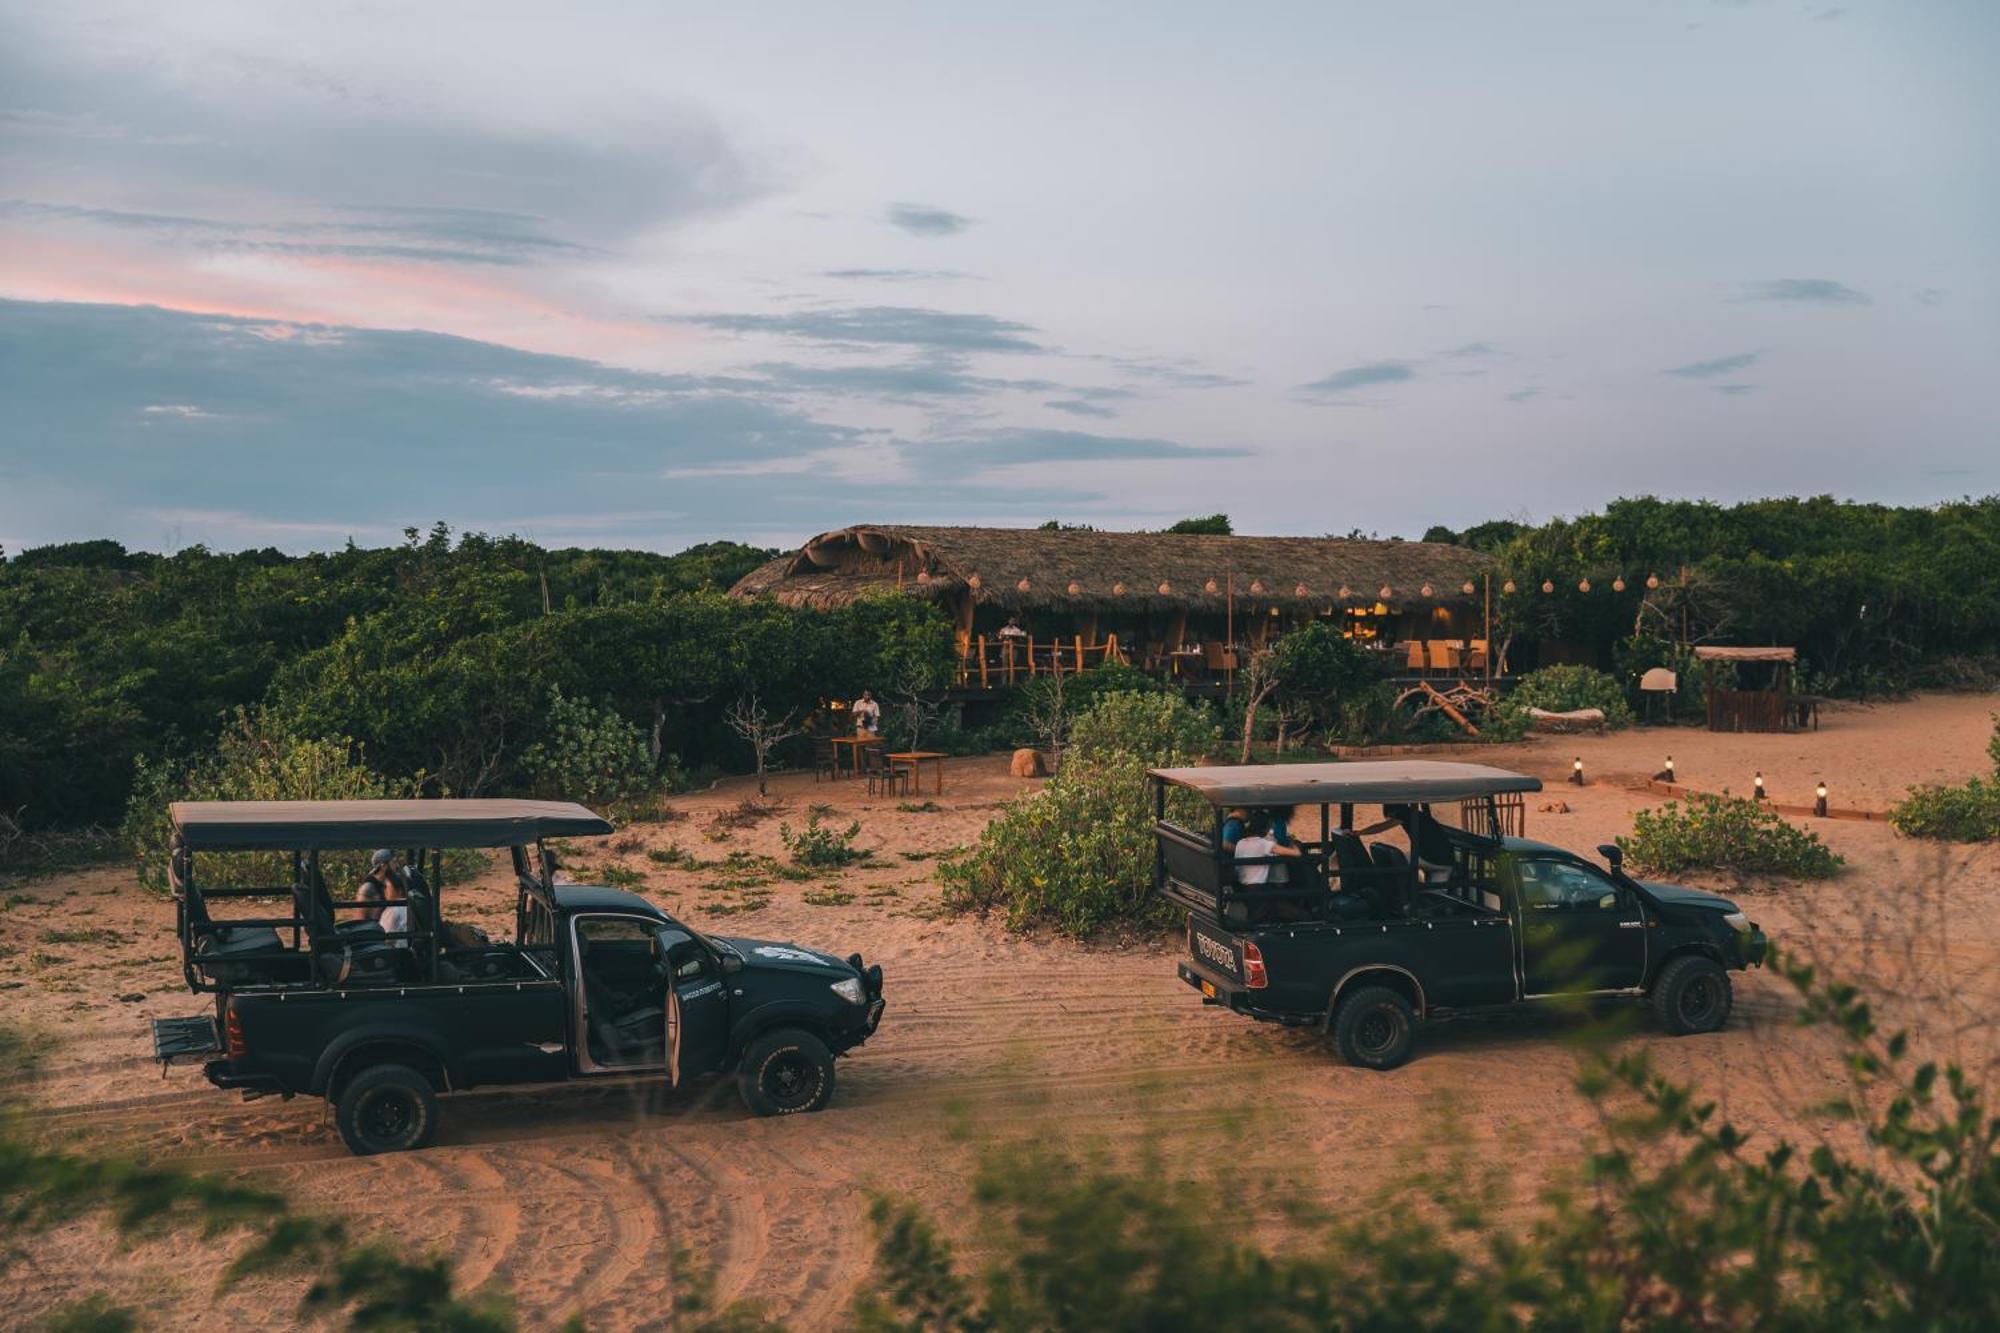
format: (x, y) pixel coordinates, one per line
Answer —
(387, 879)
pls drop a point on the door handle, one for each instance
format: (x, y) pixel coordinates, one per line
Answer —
(1631, 925)
(546, 1047)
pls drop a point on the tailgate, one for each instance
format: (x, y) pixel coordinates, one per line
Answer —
(185, 1038)
(1215, 949)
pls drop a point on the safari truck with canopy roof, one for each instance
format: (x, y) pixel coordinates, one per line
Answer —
(1366, 940)
(596, 982)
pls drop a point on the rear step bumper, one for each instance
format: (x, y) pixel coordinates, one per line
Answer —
(1231, 996)
(219, 1073)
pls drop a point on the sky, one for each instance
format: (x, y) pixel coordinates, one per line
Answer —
(648, 274)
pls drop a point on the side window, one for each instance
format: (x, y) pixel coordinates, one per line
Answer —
(1554, 885)
(614, 930)
(689, 961)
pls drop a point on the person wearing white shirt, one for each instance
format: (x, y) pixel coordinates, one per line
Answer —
(867, 714)
(1255, 846)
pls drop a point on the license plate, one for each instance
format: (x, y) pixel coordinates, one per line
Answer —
(1217, 953)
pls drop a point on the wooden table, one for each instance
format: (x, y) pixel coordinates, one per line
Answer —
(916, 759)
(854, 744)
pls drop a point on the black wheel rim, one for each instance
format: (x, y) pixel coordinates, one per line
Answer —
(388, 1117)
(791, 1079)
(1698, 1000)
(1375, 1034)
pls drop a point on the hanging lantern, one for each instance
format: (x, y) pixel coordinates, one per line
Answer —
(1466, 587)
(1427, 591)
(1583, 585)
(1508, 587)
(1345, 592)
(1618, 584)
(1074, 587)
(1548, 585)
(923, 576)
(1022, 585)
(1387, 592)
(1166, 588)
(1211, 587)
(1117, 590)
(1257, 586)
(1652, 580)
(1300, 590)
(972, 582)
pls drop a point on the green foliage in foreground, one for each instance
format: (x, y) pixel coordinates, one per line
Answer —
(821, 846)
(1077, 855)
(589, 753)
(1686, 1225)
(1725, 833)
(1562, 689)
(1967, 813)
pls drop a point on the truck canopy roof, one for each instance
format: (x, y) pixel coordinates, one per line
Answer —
(1368, 782)
(255, 826)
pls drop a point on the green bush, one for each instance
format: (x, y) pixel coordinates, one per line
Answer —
(1321, 671)
(1561, 689)
(1078, 854)
(588, 753)
(1725, 833)
(819, 846)
(256, 759)
(1968, 813)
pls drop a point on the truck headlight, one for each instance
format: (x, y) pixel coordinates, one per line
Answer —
(850, 991)
(1737, 922)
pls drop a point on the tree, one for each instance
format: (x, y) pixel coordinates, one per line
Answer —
(1258, 683)
(1213, 525)
(1319, 670)
(1045, 709)
(762, 732)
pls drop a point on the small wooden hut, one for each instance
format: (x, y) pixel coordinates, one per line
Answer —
(1770, 706)
(1140, 596)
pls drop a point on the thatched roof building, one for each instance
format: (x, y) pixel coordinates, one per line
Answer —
(1018, 571)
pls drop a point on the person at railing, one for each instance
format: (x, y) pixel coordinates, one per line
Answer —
(867, 715)
(1012, 629)
(1234, 825)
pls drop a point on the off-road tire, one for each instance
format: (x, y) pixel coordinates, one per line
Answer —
(1375, 1028)
(386, 1108)
(1693, 994)
(786, 1072)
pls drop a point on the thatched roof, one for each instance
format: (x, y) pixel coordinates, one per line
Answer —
(1018, 569)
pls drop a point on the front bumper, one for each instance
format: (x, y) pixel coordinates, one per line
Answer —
(1752, 947)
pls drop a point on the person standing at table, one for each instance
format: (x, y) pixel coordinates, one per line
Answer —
(867, 715)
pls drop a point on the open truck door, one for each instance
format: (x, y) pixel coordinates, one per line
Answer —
(696, 1008)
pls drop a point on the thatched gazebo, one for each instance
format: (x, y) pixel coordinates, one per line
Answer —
(1139, 595)
(1732, 708)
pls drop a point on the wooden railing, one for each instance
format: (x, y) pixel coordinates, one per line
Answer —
(1009, 659)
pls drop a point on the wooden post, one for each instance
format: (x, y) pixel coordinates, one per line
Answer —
(1110, 648)
(982, 663)
(1489, 628)
(1031, 656)
(1229, 638)
(1078, 639)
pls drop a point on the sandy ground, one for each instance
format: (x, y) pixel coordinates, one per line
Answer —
(573, 1198)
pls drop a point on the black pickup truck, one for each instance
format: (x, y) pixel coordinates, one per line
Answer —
(1367, 941)
(597, 983)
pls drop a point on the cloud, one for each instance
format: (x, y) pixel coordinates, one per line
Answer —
(1734, 389)
(1523, 395)
(923, 379)
(922, 220)
(1472, 349)
(1930, 295)
(895, 274)
(236, 430)
(1359, 377)
(93, 122)
(899, 326)
(1722, 365)
(1823, 291)
(1015, 446)
(1076, 407)
(1179, 374)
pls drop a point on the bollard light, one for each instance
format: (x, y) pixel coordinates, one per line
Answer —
(1819, 800)
(1760, 786)
(1576, 772)
(1670, 768)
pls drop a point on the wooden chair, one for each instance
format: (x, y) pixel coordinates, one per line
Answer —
(825, 760)
(875, 766)
(1441, 655)
(1475, 657)
(1213, 656)
(1413, 656)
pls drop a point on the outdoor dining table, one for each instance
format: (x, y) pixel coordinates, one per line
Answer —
(853, 744)
(916, 759)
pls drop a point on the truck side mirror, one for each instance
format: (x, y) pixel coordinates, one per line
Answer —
(731, 963)
(1614, 856)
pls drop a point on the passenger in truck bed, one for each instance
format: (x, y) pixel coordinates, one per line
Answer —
(1257, 843)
